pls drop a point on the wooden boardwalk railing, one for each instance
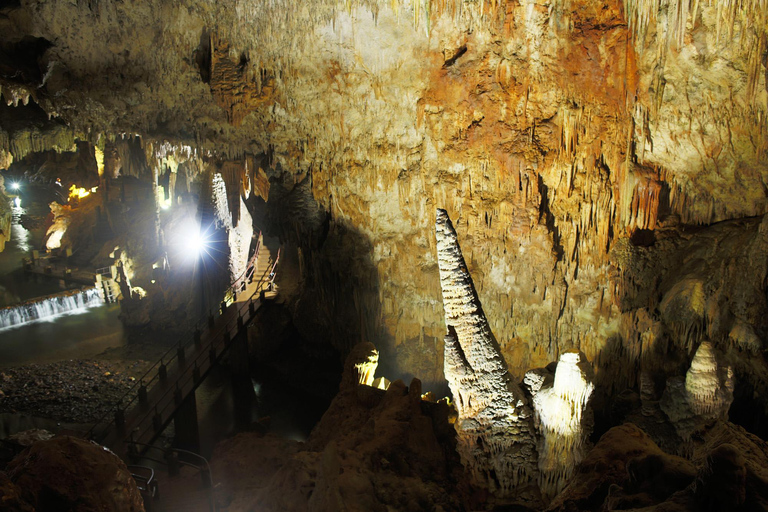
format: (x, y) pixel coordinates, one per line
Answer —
(148, 407)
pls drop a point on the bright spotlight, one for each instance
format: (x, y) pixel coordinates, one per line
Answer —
(15, 186)
(197, 241)
(190, 242)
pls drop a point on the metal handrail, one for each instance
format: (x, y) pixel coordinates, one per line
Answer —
(250, 265)
(165, 360)
(207, 467)
(165, 357)
(188, 372)
(149, 481)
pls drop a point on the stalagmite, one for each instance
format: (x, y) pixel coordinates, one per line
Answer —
(703, 396)
(708, 387)
(562, 419)
(494, 427)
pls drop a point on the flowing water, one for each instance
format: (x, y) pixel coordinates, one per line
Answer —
(76, 327)
(47, 308)
(15, 285)
(73, 324)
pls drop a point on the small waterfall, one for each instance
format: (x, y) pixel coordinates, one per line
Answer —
(47, 307)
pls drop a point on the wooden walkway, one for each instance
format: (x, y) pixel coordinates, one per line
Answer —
(148, 409)
(44, 267)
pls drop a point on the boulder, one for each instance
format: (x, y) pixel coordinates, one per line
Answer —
(72, 475)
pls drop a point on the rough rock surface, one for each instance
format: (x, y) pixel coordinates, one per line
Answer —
(625, 457)
(5, 215)
(10, 496)
(372, 450)
(604, 162)
(66, 473)
(494, 428)
(626, 470)
(552, 132)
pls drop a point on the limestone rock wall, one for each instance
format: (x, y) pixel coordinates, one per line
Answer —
(572, 142)
(5, 215)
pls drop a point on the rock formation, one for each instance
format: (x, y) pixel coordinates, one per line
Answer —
(361, 364)
(494, 427)
(562, 418)
(66, 473)
(604, 162)
(372, 450)
(626, 470)
(504, 113)
(624, 458)
(11, 497)
(703, 396)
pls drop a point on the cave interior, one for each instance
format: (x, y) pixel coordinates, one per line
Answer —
(365, 255)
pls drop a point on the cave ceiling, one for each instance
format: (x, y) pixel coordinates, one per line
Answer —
(582, 148)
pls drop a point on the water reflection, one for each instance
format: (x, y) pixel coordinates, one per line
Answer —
(19, 234)
(71, 336)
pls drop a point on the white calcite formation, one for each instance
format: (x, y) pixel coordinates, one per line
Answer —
(239, 233)
(366, 369)
(703, 396)
(561, 417)
(494, 427)
(360, 365)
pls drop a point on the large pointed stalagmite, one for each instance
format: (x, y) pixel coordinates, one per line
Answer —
(494, 428)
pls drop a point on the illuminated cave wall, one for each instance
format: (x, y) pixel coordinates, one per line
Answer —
(583, 149)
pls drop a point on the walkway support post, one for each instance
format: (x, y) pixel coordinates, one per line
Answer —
(242, 387)
(185, 421)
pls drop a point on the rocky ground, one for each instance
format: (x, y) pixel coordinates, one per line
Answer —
(77, 391)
